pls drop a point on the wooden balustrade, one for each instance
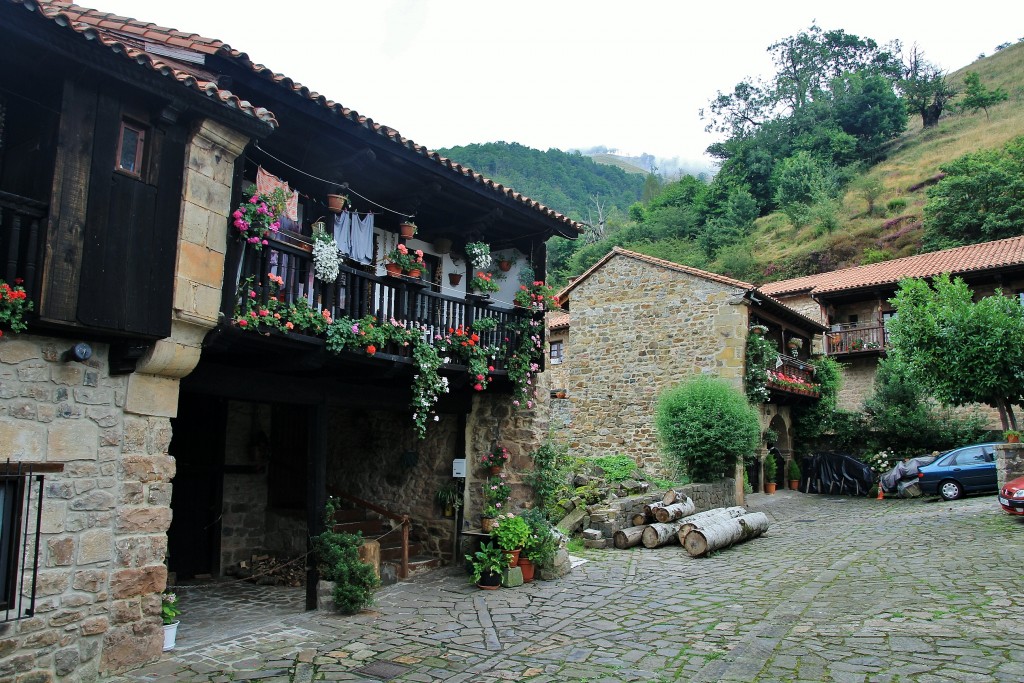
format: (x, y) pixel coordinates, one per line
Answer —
(855, 339)
(21, 236)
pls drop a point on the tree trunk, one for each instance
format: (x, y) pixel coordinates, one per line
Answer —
(670, 513)
(930, 115)
(651, 507)
(703, 519)
(700, 542)
(657, 535)
(640, 520)
(627, 538)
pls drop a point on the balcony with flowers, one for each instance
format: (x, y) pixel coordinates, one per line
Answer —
(775, 376)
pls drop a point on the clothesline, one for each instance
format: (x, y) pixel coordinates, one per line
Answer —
(332, 183)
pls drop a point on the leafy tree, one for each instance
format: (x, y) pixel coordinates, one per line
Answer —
(977, 96)
(925, 88)
(960, 350)
(981, 198)
(706, 426)
(802, 179)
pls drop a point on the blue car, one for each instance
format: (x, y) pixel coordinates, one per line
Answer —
(969, 469)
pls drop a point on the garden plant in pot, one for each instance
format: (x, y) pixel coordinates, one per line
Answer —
(540, 547)
(170, 612)
(337, 556)
(486, 565)
(449, 498)
(496, 496)
(794, 475)
(1012, 436)
(498, 456)
(770, 470)
(510, 533)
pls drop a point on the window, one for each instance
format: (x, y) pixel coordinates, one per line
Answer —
(130, 145)
(557, 350)
(20, 517)
(970, 456)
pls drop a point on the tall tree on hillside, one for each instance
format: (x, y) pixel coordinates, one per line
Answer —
(925, 88)
(977, 96)
(961, 350)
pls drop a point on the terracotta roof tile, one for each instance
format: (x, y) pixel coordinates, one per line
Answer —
(957, 261)
(558, 321)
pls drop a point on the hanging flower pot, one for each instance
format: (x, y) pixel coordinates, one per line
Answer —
(454, 279)
(336, 202)
(505, 265)
(407, 230)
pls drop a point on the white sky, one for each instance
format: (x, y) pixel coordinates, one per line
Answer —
(627, 74)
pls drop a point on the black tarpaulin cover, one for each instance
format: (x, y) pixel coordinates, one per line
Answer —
(835, 473)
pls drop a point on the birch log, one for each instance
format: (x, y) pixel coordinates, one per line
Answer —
(700, 542)
(651, 507)
(628, 537)
(671, 513)
(656, 535)
(670, 497)
(705, 518)
(640, 520)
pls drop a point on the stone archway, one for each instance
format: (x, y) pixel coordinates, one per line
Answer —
(783, 448)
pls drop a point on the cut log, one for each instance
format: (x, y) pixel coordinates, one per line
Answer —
(710, 517)
(671, 513)
(627, 538)
(657, 535)
(727, 532)
(640, 520)
(651, 507)
(670, 497)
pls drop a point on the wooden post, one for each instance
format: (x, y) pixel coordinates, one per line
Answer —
(316, 494)
(405, 547)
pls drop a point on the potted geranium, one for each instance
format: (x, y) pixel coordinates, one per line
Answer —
(402, 260)
(496, 496)
(14, 304)
(170, 612)
(483, 283)
(256, 218)
(510, 533)
(486, 566)
(495, 459)
(535, 295)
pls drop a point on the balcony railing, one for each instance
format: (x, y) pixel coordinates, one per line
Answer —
(21, 234)
(855, 338)
(793, 376)
(357, 293)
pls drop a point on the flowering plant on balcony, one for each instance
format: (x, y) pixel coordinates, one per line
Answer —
(326, 258)
(762, 354)
(405, 259)
(275, 313)
(256, 218)
(14, 304)
(482, 282)
(523, 349)
(536, 295)
(791, 381)
(479, 254)
(464, 344)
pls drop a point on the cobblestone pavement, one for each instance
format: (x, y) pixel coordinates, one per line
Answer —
(839, 589)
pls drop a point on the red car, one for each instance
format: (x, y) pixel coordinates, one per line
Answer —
(1011, 496)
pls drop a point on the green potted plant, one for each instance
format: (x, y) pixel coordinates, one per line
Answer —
(337, 556)
(486, 565)
(14, 304)
(541, 545)
(1012, 436)
(169, 613)
(510, 533)
(770, 470)
(483, 284)
(449, 498)
(536, 295)
(794, 475)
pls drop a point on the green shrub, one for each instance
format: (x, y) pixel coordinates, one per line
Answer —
(771, 468)
(548, 478)
(617, 468)
(896, 205)
(338, 561)
(794, 469)
(706, 426)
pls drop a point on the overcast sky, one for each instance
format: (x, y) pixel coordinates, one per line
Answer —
(627, 74)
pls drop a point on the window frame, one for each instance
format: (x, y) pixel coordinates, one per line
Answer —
(559, 358)
(140, 148)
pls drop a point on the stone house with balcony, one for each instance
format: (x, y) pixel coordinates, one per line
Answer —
(639, 324)
(853, 303)
(144, 428)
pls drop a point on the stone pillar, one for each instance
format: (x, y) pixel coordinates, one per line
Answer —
(1009, 462)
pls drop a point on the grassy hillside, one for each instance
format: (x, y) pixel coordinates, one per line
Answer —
(784, 251)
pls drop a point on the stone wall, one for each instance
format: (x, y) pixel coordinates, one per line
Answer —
(1009, 462)
(804, 305)
(608, 518)
(858, 381)
(244, 503)
(638, 328)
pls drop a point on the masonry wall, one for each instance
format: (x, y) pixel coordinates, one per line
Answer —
(637, 329)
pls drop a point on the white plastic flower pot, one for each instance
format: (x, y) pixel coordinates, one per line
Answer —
(170, 635)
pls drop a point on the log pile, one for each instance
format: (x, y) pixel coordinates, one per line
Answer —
(267, 570)
(665, 522)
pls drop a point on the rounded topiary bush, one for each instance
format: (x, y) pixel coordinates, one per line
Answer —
(706, 426)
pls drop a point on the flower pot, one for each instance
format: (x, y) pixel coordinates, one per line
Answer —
(393, 269)
(494, 469)
(449, 510)
(407, 230)
(454, 279)
(489, 582)
(170, 635)
(486, 524)
(528, 568)
(416, 272)
(769, 487)
(504, 265)
(1013, 438)
(794, 484)
(335, 203)
(513, 556)
(442, 245)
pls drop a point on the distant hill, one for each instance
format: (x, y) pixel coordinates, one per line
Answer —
(564, 181)
(621, 162)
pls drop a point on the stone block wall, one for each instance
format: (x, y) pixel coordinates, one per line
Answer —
(858, 382)
(104, 519)
(639, 328)
(1009, 462)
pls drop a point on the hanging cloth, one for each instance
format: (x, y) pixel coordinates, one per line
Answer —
(343, 233)
(362, 238)
(268, 182)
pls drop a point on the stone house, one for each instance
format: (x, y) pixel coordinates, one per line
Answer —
(125, 147)
(853, 303)
(639, 324)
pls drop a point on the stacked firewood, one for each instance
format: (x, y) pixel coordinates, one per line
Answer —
(672, 520)
(267, 570)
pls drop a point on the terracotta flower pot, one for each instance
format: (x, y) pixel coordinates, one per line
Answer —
(794, 484)
(407, 230)
(454, 279)
(494, 469)
(1013, 438)
(513, 556)
(528, 568)
(769, 487)
(393, 269)
(335, 203)
(504, 265)
(415, 273)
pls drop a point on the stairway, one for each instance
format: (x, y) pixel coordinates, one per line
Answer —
(354, 519)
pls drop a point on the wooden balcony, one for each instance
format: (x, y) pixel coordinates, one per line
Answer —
(855, 338)
(357, 293)
(793, 377)
(22, 231)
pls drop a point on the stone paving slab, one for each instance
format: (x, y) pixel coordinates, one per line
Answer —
(839, 589)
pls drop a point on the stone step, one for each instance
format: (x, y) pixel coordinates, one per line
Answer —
(369, 527)
(394, 552)
(350, 515)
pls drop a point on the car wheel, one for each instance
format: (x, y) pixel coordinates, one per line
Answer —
(950, 490)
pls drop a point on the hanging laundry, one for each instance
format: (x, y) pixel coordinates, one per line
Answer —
(362, 238)
(268, 182)
(343, 233)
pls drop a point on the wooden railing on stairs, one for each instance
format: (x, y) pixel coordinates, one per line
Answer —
(404, 520)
